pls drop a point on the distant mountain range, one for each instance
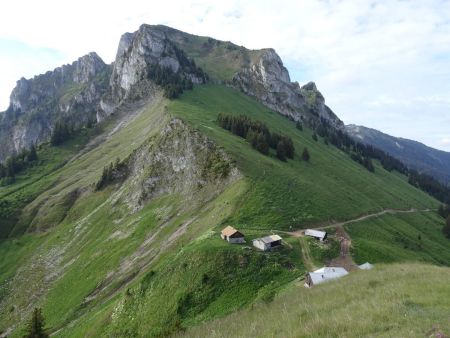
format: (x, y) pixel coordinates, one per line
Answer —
(414, 154)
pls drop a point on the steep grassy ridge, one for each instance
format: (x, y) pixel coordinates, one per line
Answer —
(330, 187)
(400, 300)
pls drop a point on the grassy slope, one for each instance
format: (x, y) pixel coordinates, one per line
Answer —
(401, 237)
(209, 53)
(35, 180)
(330, 187)
(400, 300)
(56, 245)
(274, 195)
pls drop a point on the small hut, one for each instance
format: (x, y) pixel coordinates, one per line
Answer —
(267, 243)
(323, 275)
(231, 235)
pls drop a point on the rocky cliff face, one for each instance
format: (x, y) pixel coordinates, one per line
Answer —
(88, 89)
(268, 81)
(137, 52)
(178, 161)
(71, 93)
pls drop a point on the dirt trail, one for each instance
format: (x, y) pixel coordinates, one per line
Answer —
(345, 259)
(306, 254)
(299, 233)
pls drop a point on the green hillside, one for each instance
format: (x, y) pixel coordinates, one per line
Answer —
(122, 263)
(399, 238)
(399, 300)
(328, 188)
(220, 59)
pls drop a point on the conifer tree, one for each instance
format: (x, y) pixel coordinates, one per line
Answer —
(446, 229)
(305, 155)
(281, 153)
(261, 144)
(35, 328)
(32, 155)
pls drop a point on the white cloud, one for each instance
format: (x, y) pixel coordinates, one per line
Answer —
(385, 64)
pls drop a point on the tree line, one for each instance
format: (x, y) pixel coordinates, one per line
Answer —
(429, 185)
(173, 83)
(363, 154)
(259, 136)
(14, 164)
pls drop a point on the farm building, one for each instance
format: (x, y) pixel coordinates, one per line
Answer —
(231, 235)
(323, 275)
(320, 235)
(267, 243)
(365, 266)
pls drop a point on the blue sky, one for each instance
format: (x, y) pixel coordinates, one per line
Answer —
(383, 64)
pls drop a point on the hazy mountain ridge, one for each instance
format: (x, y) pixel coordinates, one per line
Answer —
(414, 154)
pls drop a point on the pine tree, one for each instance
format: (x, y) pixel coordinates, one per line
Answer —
(314, 137)
(2, 170)
(252, 137)
(32, 155)
(261, 144)
(35, 328)
(60, 133)
(11, 167)
(299, 125)
(281, 153)
(289, 147)
(305, 154)
(441, 211)
(446, 229)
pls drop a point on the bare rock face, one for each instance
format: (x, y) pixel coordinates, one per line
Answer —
(178, 160)
(136, 52)
(268, 81)
(71, 93)
(89, 90)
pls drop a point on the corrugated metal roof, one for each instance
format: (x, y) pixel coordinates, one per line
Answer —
(327, 273)
(271, 239)
(315, 233)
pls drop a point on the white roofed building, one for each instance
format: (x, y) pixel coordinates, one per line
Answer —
(321, 235)
(267, 243)
(323, 275)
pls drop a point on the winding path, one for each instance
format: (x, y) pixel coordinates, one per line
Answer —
(299, 233)
(344, 259)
